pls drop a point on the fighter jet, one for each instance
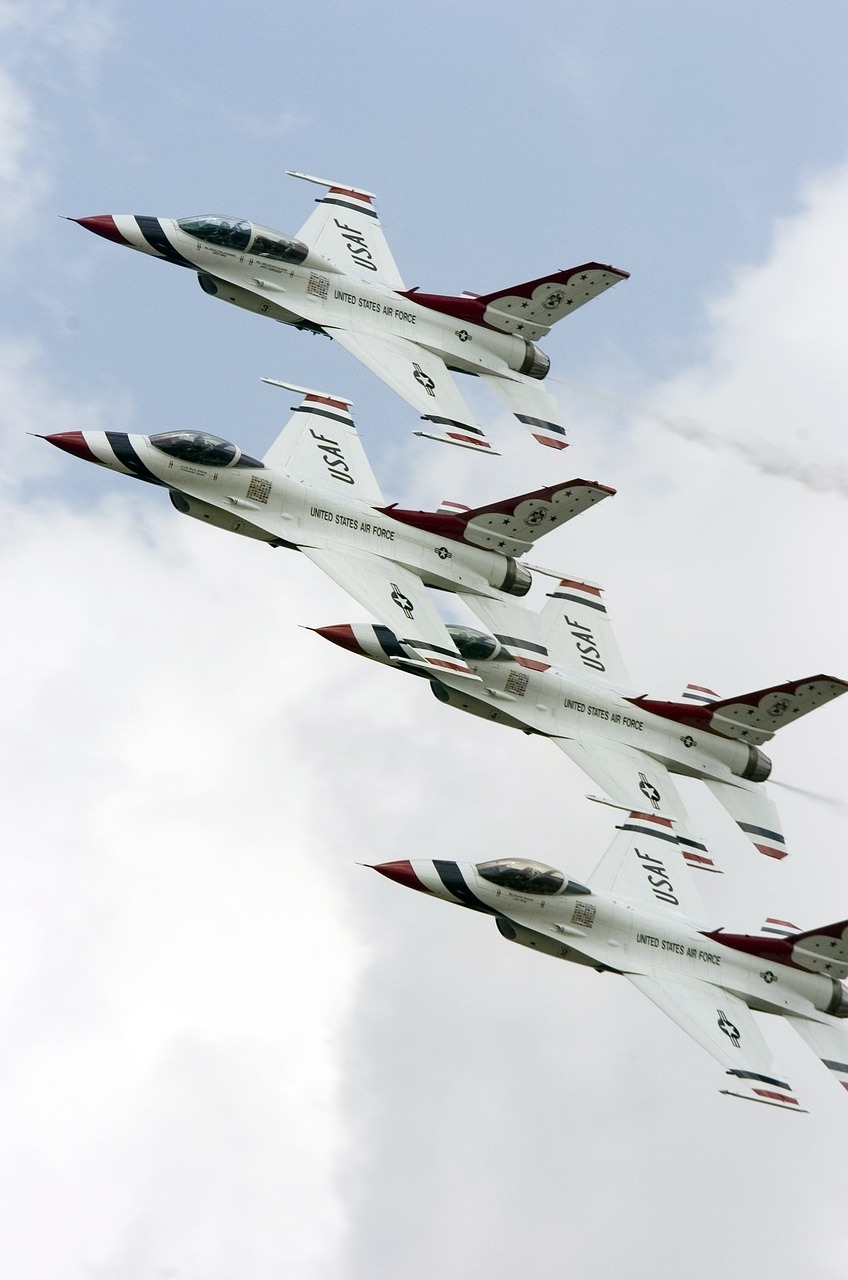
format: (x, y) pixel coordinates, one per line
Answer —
(337, 276)
(639, 915)
(560, 673)
(315, 492)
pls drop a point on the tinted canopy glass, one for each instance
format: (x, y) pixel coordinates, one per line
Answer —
(231, 233)
(527, 876)
(270, 244)
(202, 449)
(474, 644)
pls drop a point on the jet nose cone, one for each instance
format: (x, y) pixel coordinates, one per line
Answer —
(72, 442)
(103, 224)
(402, 873)
(340, 635)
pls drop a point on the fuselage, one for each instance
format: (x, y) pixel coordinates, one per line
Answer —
(213, 481)
(545, 699)
(570, 922)
(275, 275)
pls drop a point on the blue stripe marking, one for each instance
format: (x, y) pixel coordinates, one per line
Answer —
(321, 413)
(649, 831)
(761, 831)
(346, 204)
(126, 454)
(151, 229)
(523, 644)
(449, 874)
(590, 604)
(755, 1075)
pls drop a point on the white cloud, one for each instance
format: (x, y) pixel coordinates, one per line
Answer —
(180, 966)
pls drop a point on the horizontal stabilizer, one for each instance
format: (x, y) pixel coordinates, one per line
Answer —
(753, 717)
(534, 407)
(754, 813)
(512, 525)
(828, 1041)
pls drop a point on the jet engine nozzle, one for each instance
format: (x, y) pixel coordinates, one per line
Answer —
(758, 767)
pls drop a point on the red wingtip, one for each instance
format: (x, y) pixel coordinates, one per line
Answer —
(103, 224)
(401, 873)
(342, 635)
(72, 442)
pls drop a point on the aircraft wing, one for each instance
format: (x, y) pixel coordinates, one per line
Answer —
(345, 229)
(422, 379)
(754, 813)
(647, 863)
(320, 443)
(828, 1040)
(398, 599)
(533, 406)
(634, 780)
(577, 631)
(723, 1024)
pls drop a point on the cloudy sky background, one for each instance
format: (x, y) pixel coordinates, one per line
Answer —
(229, 1050)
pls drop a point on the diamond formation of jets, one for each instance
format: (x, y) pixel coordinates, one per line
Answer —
(560, 673)
(314, 491)
(556, 672)
(639, 916)
(337, 276)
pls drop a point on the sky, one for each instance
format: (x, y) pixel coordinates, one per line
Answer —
(229, 1048)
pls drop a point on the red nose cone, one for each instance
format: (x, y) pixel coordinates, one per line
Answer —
(341, 635)
(402, 873)
(72, 442)
(102, 225)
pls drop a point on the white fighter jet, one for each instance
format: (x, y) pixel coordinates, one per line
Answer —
(315, 492)
(560, 673)
(337, 276)
(639, 915)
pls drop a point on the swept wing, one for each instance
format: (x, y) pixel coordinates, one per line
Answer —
(647, 863)
(723, 1024)
(422, 379)
(345, 230)
(577, 631)
(321, 445)
(399, 599)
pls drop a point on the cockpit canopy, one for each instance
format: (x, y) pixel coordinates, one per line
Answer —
(245, 237)
(527, 876)
(474, 645)
(202, 449)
